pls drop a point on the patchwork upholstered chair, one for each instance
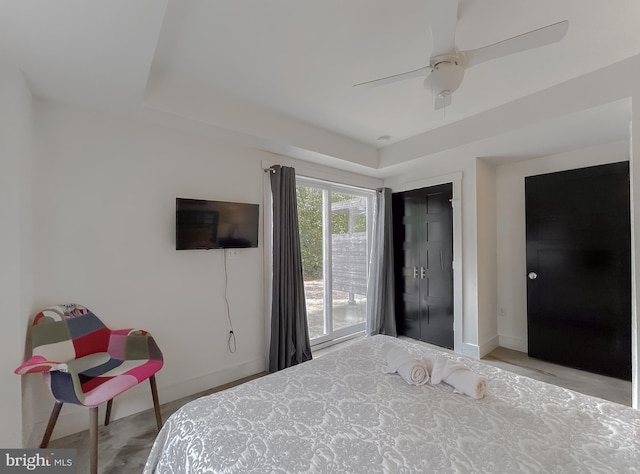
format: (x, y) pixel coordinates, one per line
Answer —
(86, 363)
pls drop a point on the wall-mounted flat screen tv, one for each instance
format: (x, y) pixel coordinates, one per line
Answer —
(215, 224)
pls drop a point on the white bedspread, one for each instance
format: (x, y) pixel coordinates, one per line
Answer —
(341, 414)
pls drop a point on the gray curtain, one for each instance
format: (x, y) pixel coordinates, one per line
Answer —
(289, 332)
(381, 289)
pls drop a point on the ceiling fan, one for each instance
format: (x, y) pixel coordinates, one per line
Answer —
(447, 64)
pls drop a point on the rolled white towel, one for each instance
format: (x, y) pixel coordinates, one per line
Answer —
(467, 382)
(429, 362)
(442, 367)
(460, 377)
(412, 370)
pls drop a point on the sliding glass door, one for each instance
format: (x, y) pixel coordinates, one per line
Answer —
(335, 229)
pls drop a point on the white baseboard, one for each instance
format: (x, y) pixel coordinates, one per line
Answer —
(74, 418)
(488, 346)
(472, 351)
(515, 343)
(177, 390)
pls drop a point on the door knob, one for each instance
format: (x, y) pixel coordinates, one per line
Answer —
(532, 275)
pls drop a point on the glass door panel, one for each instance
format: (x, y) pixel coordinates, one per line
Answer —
(348, 260)
(334, 237)
(311, 226)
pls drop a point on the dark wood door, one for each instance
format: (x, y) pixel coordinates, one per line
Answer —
(423, 240)
(579, 268)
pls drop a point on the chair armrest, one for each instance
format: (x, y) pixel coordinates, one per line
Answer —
(40, 364)
(133, 344)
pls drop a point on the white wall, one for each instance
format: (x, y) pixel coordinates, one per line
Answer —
(105, 189)
(511, 240)
(16, 277)
(487, 254)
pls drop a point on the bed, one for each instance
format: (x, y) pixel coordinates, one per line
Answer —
(341, 414)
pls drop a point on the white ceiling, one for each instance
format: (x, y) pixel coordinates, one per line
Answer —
(94, 53)
(236, 64)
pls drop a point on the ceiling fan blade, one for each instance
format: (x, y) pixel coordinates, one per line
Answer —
(423, 71)
(443, 22)
(532, 39)
(440, 102)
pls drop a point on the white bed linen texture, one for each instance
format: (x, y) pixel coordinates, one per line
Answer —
(342, 414)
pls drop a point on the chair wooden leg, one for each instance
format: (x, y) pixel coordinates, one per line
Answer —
(156, 404)
(93, 440)
(52, 423)
(107, 414)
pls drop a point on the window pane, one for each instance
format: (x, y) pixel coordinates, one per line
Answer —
(310, 222)
(349, 259)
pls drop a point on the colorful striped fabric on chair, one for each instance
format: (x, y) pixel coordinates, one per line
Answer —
(86, 363)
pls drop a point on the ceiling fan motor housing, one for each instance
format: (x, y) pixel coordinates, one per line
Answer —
(445, 78)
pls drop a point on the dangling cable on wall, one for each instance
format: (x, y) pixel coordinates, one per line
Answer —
(231, 339)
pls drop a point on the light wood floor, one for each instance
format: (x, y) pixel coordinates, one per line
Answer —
(600, 386)
(125, 443)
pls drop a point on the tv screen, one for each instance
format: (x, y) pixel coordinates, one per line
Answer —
(215, 224)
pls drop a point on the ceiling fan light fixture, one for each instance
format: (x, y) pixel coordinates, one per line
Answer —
(444, 79)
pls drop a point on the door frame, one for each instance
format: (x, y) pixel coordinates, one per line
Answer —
(456, 179)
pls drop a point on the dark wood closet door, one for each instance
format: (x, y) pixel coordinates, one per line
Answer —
(579, 268)
(408, 258)
(423, 239)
